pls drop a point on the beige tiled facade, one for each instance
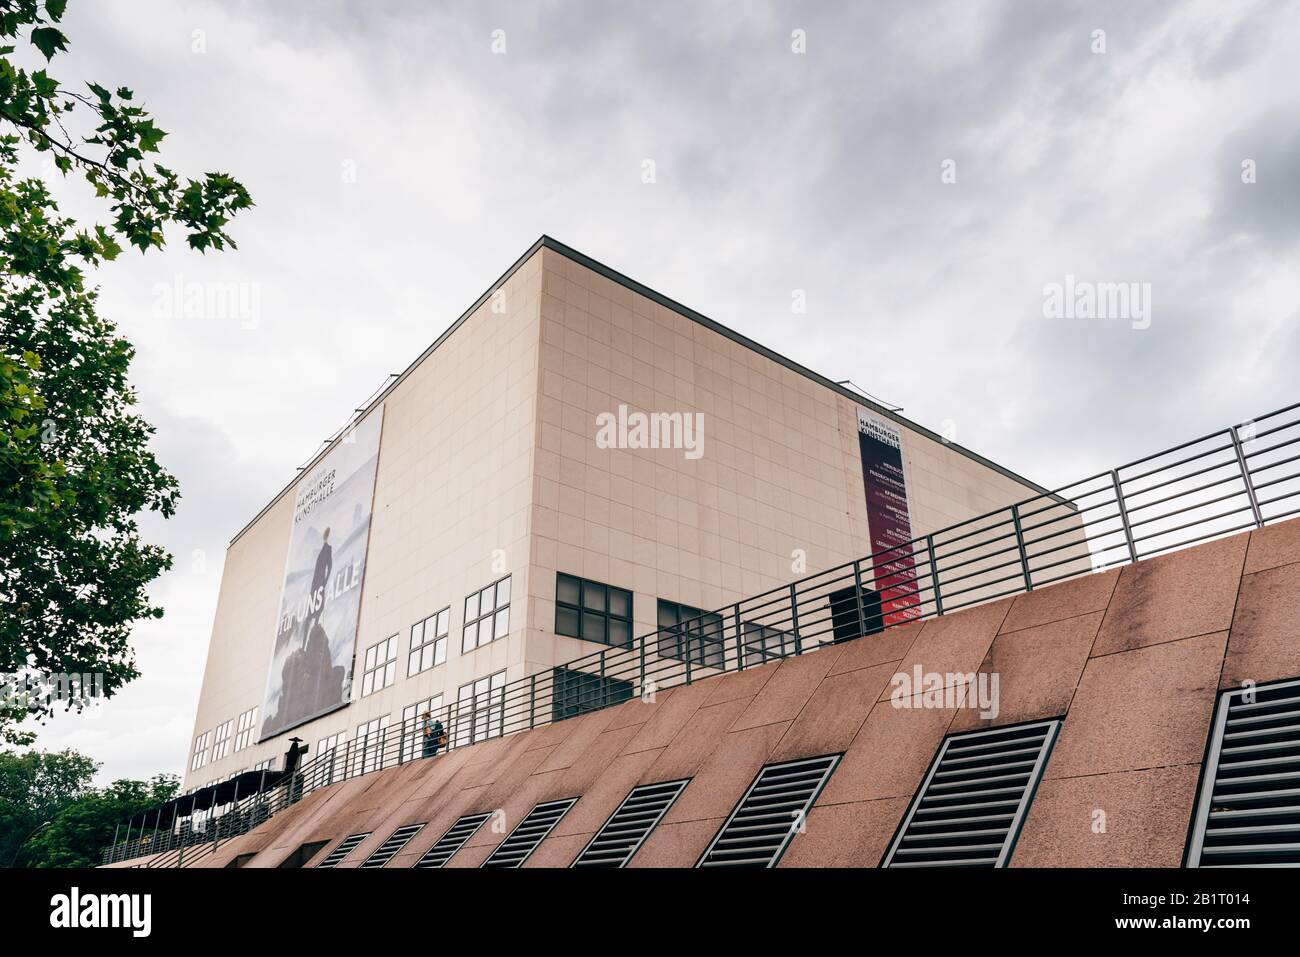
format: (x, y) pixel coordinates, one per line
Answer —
(489, 466)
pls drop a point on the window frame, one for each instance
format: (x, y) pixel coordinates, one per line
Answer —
(372, 666)
(575, 692)
(712, 646)
(474, 620)
(200, 755)
(368, 750)
(434, 646)
(221, 735)
(583, 611)
(483, 707)
(244, 729)
(759, 656)
(331, 743)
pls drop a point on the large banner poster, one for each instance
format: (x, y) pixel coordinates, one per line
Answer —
(315, 638)
(889, 521)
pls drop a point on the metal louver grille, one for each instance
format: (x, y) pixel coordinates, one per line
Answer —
(969, 810)
(345, 848)
(388, 850)
(531, 831)
(1248, 812)
(452, 841)
(629, 826)
(769, 814)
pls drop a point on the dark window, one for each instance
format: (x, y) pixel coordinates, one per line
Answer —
(592, 611)
(685, 631)
(304, 854)
(764, 644)
(576, 692)
(844, 614)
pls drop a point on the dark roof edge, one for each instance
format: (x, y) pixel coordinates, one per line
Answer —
(614, 276)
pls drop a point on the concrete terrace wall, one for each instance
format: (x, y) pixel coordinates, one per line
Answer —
(1132, 659)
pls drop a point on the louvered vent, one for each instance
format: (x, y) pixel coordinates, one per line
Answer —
(769, 814)
(969, 810)
(629, 826)
(531, 831)
(388, 850)
(1248, 814)
(346, 846)
(452, 841)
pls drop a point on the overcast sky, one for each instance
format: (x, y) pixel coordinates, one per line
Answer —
(400, 164)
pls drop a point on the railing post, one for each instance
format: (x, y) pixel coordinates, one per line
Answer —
(532, 700)
(794, 620)
(1123, 515)
(857, 594)
(740, 640)
(1020, 543)
(680, 637)
(641, 653)
(934, 575)
(604, 690)
(1245, 477)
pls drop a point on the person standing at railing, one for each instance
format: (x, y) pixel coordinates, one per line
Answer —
(433, 734)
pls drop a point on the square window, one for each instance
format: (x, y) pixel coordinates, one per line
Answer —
(491, 617)
(620, 633)
(380, 666)
(593, 627)
(566, 622)
(593, 596)
(566, 589)
(592, 611)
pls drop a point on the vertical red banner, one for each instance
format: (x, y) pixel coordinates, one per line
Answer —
(889, 521)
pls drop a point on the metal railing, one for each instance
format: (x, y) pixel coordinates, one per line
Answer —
(1240, 478)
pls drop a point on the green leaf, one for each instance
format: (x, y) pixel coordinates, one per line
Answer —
(150, 137)
(32, 359)
(45, 84)
(49, 41)
(55, 8)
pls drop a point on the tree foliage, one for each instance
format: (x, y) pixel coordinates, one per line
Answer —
(76, 470)
(52, 816)
(87, 824)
